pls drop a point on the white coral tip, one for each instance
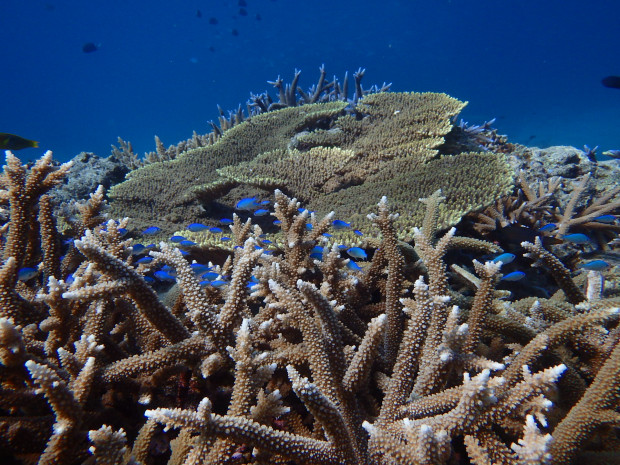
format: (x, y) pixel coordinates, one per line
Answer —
(425, 429)
(204, 408)
(369, 427)
(558, 370)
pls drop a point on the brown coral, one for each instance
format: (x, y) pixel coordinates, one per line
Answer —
(299, 359)
(388, 145)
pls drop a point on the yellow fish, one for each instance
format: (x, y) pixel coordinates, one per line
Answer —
(13, 142)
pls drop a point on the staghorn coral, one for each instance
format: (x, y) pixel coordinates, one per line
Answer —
(561, 204)
(315, 362)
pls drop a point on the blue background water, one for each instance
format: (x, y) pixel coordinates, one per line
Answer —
(535, 65)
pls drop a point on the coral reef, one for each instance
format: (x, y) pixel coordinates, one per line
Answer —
(87, 173)
(417, 355)
(329, 158)
(170, 191)
(289, 95)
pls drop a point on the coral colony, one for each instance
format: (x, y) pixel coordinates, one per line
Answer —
(320, 280)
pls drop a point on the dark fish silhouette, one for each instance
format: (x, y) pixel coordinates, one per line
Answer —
(89, 47)
(13, 142)
(198, 14)
(212, 20)
(613, 82)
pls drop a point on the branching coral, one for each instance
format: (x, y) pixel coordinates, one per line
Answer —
(538, 206)
(295, 358)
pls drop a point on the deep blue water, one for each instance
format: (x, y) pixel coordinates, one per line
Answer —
(161, 69)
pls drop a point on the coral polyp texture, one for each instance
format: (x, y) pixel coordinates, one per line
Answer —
(304, 351)
(330, 156)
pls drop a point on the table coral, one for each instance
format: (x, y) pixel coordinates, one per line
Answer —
(388, 144)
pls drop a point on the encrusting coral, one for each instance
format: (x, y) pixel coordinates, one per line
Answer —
(294, 359)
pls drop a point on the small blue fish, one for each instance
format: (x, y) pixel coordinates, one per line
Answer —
(218, 283)
(339, 224)
(505, 258)
(610, 219)
(358, 232)
(595, 265)
(261, 212)
(187, 243)
(514, 276)
(168, 269)
(210, 276)
(150, 231)
(163, 276)
(266, 241)
(24, 274)
(248, 203)
(277, 222)
(268, 252)
(226, 221)
(353, 266)
(197, 227)
(577, 238)
(177, 239)
(70, 279)
(326, 235)
(224, 239)
(199, 268)
(145, 260)
(122, 231)
(204, 283)
(548, 227)
(317, 249)
(357, 252)
(265, 202)
(137, 249)
(148, 279)
(309, 227)
(316, 256)
(215, 230)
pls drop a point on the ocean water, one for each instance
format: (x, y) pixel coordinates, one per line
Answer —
(161, 67)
